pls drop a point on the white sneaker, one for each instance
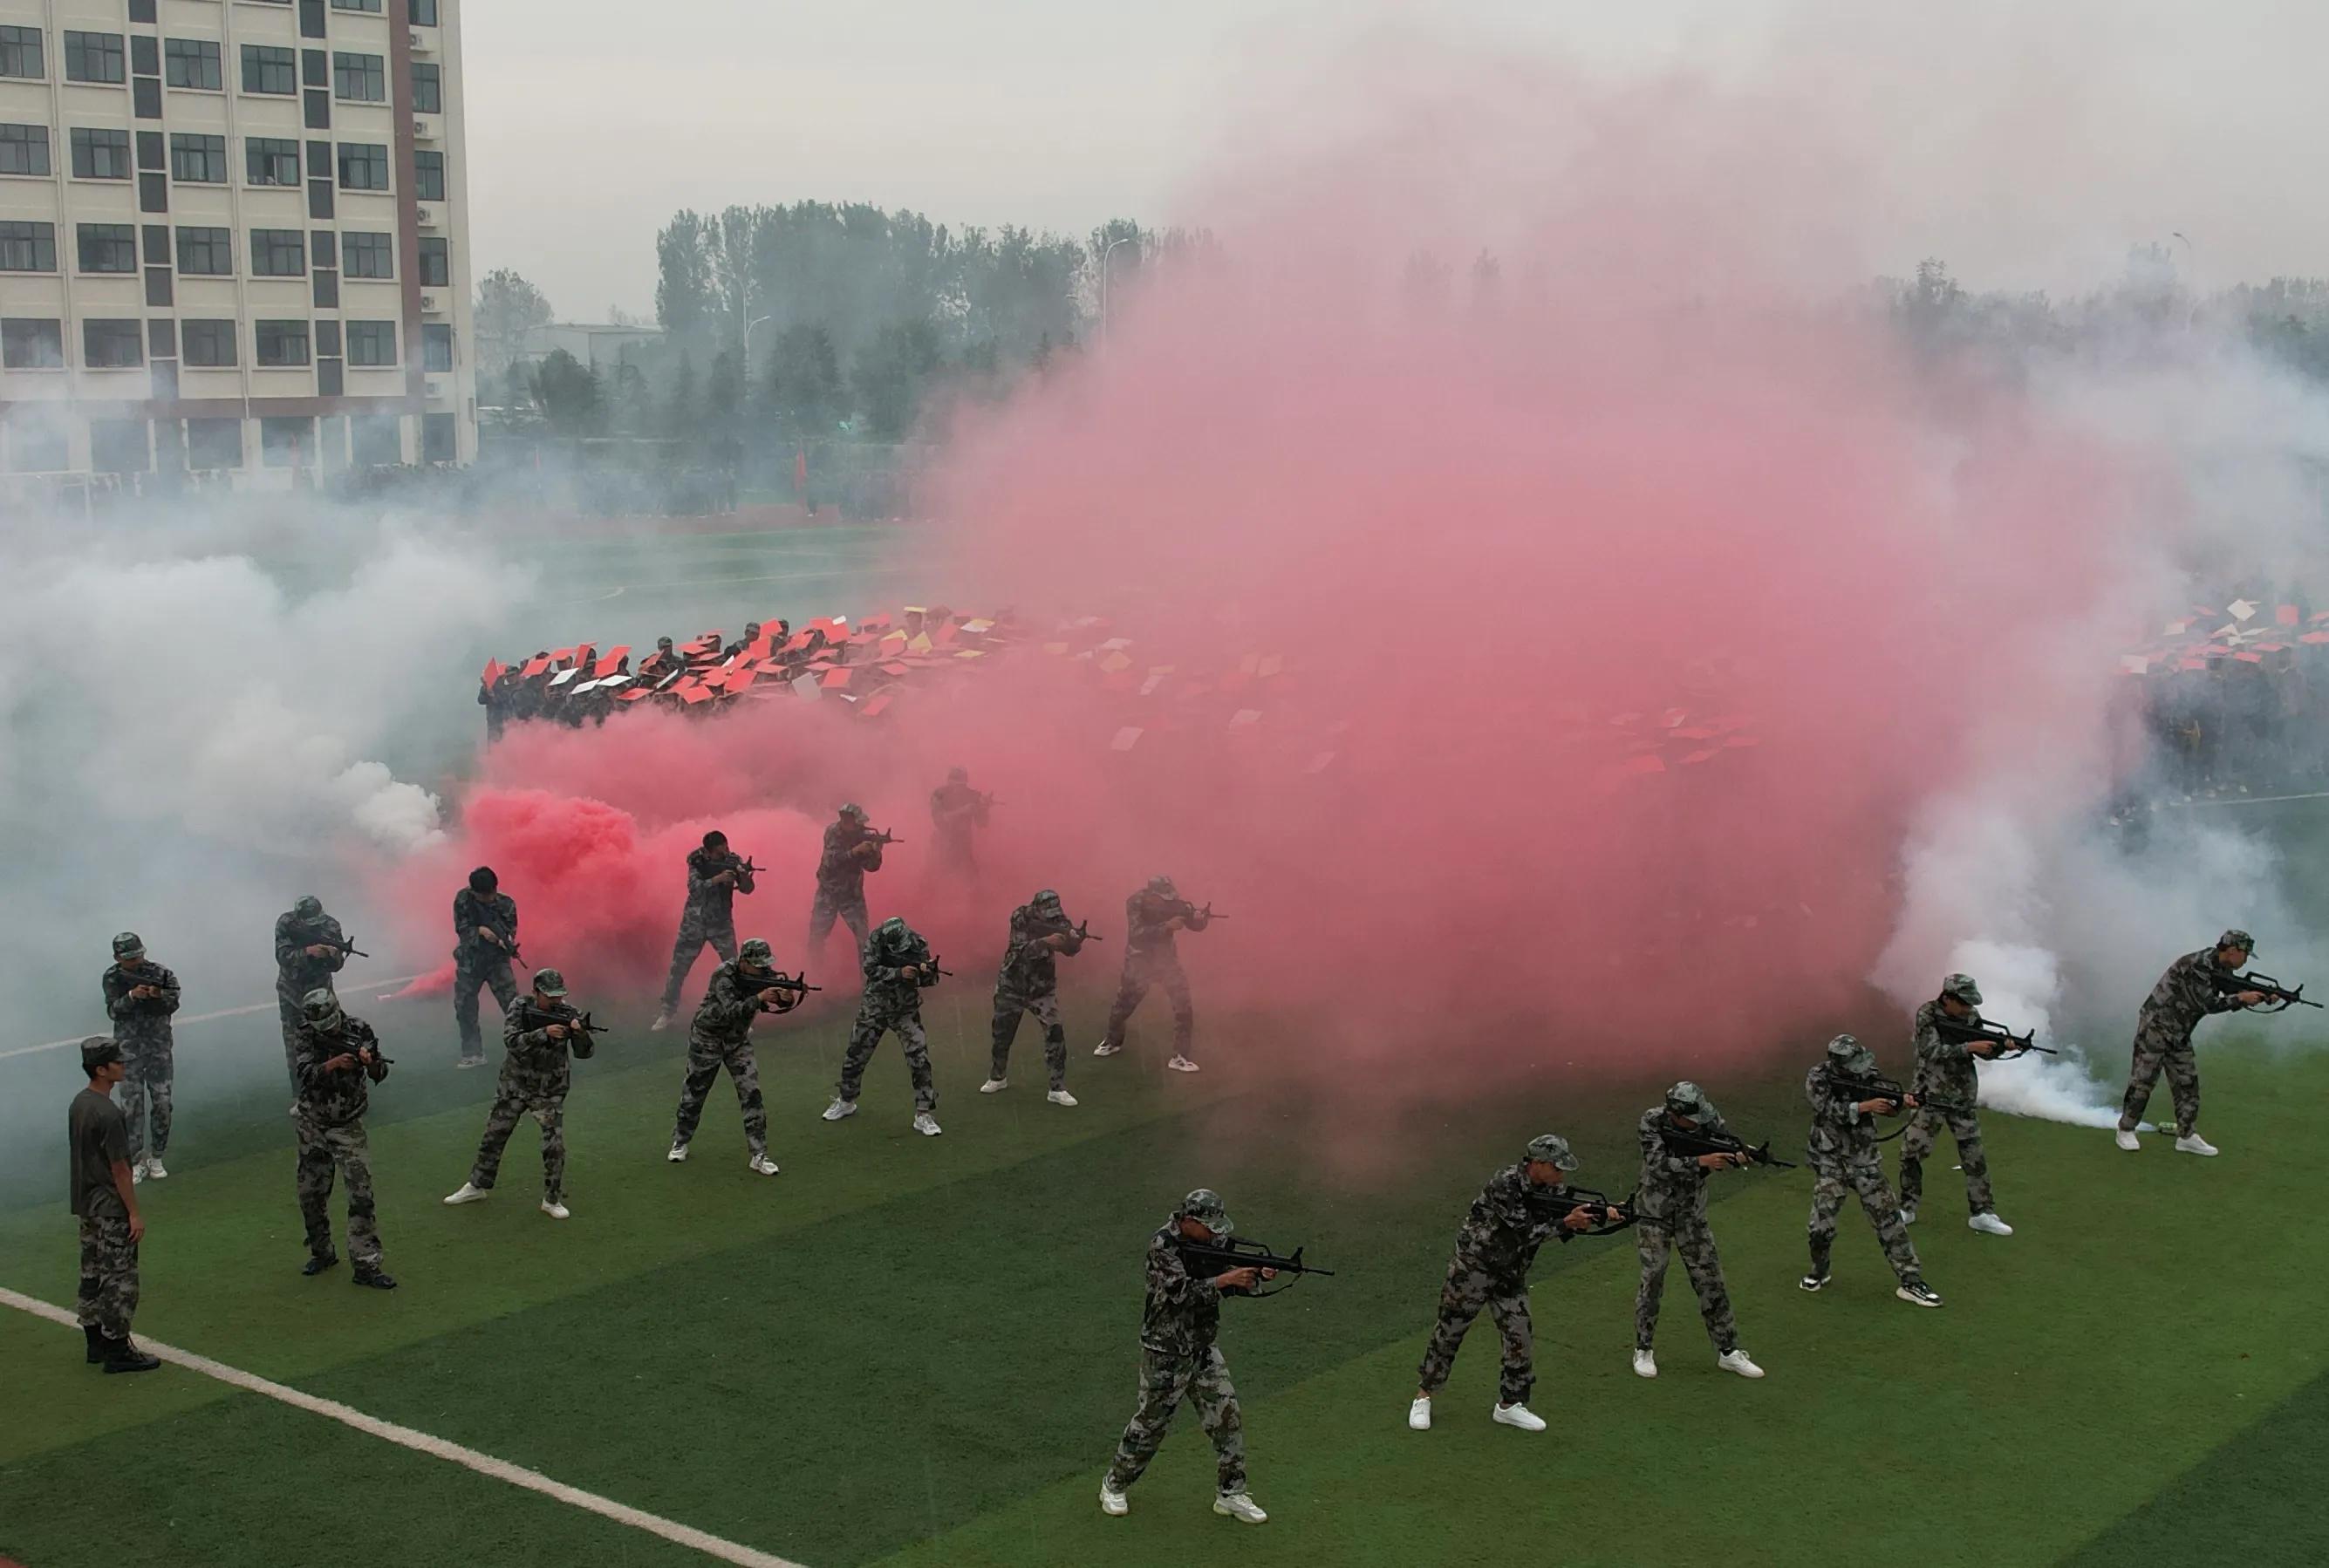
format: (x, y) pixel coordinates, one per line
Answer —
(678, 1152)
(550, 1206)
(1920, 1295)
(840, 1108)
(1241, 1508)
(153, 1169)
(1645, 1364)
(1736, 1361)
(662, 1022)
(1519, 1415)
(1105, 1049)
(1060, 1097)
(995, 1086)
(1113, 1502)
(2126, 1140)
(1908, 1217)
(469, 1193)
(1182, 1064)
(1989, 1224)
(761, 1165)
(1418, 1416)
(137, 1174)
(2195, 1144)
(926, 1124)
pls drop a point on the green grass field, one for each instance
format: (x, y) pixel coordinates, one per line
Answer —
(921, 1351)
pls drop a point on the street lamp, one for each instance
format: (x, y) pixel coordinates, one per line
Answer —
(757, 320)
(1108, 250)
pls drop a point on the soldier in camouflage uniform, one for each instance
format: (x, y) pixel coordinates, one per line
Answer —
(722, 1037)
(1946, 1072)
(139, 998)
(1178, 1359)
(309, 949)
(2184, 995)
(1516, 1213)
(485, 936)
(1672, 1202)
(898, 966)
(537, 1035)
(1030, 984)
(850, 849)
(956, 810)
(1843, 1151)
(715, 875)
(104, 1202)
(339, 1060)
(1151, 916)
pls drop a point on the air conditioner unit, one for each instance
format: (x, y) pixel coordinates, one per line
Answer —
(429, 216)
(424, 130)
(422, 42)
(437, 386)
(434, 304)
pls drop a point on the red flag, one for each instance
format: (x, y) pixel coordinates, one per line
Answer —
(800, 468)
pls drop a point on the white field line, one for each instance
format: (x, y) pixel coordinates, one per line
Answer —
(178, 1023)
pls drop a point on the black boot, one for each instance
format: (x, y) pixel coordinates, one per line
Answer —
(373, 1274)
(317, 1264)
(96, 1343)
(122, 1354)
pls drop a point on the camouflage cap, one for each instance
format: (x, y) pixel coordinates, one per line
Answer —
(1687, 1099)
(96, 1051)
(893, 931)
(1846, 1053)
(852, 809)
(308, 907)
(549, 982)
(320, 1007)
(1554, 1148)
(1205, 1207)
(1164, 885)
(128, 944)
(957, 776)
(756, 953)
(2240, 939)
(1962, 987)
(1049, 898)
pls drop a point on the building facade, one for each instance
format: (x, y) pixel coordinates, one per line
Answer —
(233, 238)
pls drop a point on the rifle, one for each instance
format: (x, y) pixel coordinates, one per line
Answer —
(929, 965)
(872, 836)
(1561, 1204)
(795, 987)
(1206, 1260)
(743, 865)
(345, 945)
(1082, 931)
(1691, 1140)
(2277, 998)
(1182, 909)
(1959, 1032)
(1880, 1088)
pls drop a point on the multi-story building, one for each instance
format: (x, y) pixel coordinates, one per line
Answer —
(233, 237)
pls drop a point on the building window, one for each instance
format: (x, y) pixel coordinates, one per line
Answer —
(95, 57)
(435, 265)
(358, 78)
(206, 252)
(29, 344)
(371, 342)
(436, 347)
(27, 247)
(207, 343)
(99, 155)
(108, 247)
(364, 167)
(40, 448)
(214, 443)
(199, 160)
(429, 90)
(371, 7)
(20, 53)
(270, 161)
(424, 13)
(378, 440)
(440, 441)
(24, 149)
(282, 343)
(161, 340)
(192, 62)
(286, 443)
(269, 68)
(112, 345)
(119, 446)
(142, 11)
(429, 176)
(279, 253)
(365, 255)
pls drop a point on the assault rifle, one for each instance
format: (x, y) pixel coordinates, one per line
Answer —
(1082, 931)
(2277, 998)
(1554, 1205)
(582, 1037)
(1205, 1260)
(795, 987)
(1692, 1141)
(877, 836)
(1881, 1088)
(742, 865)
(1182, 909)
(345, 945)
(929, 964)
(1963, 1032)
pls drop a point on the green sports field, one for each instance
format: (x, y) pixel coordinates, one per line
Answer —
(921, 1350)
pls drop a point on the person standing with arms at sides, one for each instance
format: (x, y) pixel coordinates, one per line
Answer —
(851, 851)
(139, 998)
(715, 875)
(310, 948)
(485, 939)
(105, 1201)
(538, 1035)
(339, 1061)
(2193, 987)
(957, 811)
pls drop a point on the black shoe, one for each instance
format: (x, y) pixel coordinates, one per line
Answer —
(122, 1354)
(374, 1276)
(318, 1263)
(96, 1343)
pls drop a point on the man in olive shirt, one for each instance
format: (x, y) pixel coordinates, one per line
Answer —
(105, 1199)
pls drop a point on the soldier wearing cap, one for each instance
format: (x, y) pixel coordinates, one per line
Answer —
(715, 875)
(720, 1036)
(899, 967)
(1493, 1250)
(661, 664)
(140, 995)
(104, 1202)
(1671, 1201)
(851, 851)
(309, 949)
(1029, 983)
(538, 1035)
(339, 1060)
(957, 810)
(751, 636)
(485, 935)
(1946, 1072)
(1151, 916)
(2188, 992)
(1179, 1358)
(1843, 1151)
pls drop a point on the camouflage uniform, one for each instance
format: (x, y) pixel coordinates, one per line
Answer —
(1944, 1071)
(841, 885)
(330, 1122)
(1150, 958)
(1843, 1153)
(2184, 995)
(1178, 1359)
(108, 1296)
(710, 915)
(476, 961)
(1674, 1191)
(1493, 1250)
(142, 1026)
(1029, 983)
(535, 1076)
(297, 974)
(955, 809)
(720, 1036)
(892, 1003)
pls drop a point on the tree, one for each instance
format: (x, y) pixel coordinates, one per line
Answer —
(508, 310)
(679, 408)
(571, 400)
(889, 376)
(803, 391)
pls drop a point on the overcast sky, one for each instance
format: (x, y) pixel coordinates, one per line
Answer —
(2036, 140)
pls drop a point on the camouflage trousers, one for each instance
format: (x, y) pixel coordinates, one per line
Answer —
(1865, 1177)
(502, 1120)
(323, 1151)
(108, 1275)
(287, 1008)
(2154, 1052)
(705, 1058)
(1166, 1379)
(146, 1093)
(469, 972)
(1009, 1007)
(1142, 971)
(694, 931)
(831, 905)
(1924, 1133)
(873, 1023)
(1468, 1290)
(1689, 1238)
